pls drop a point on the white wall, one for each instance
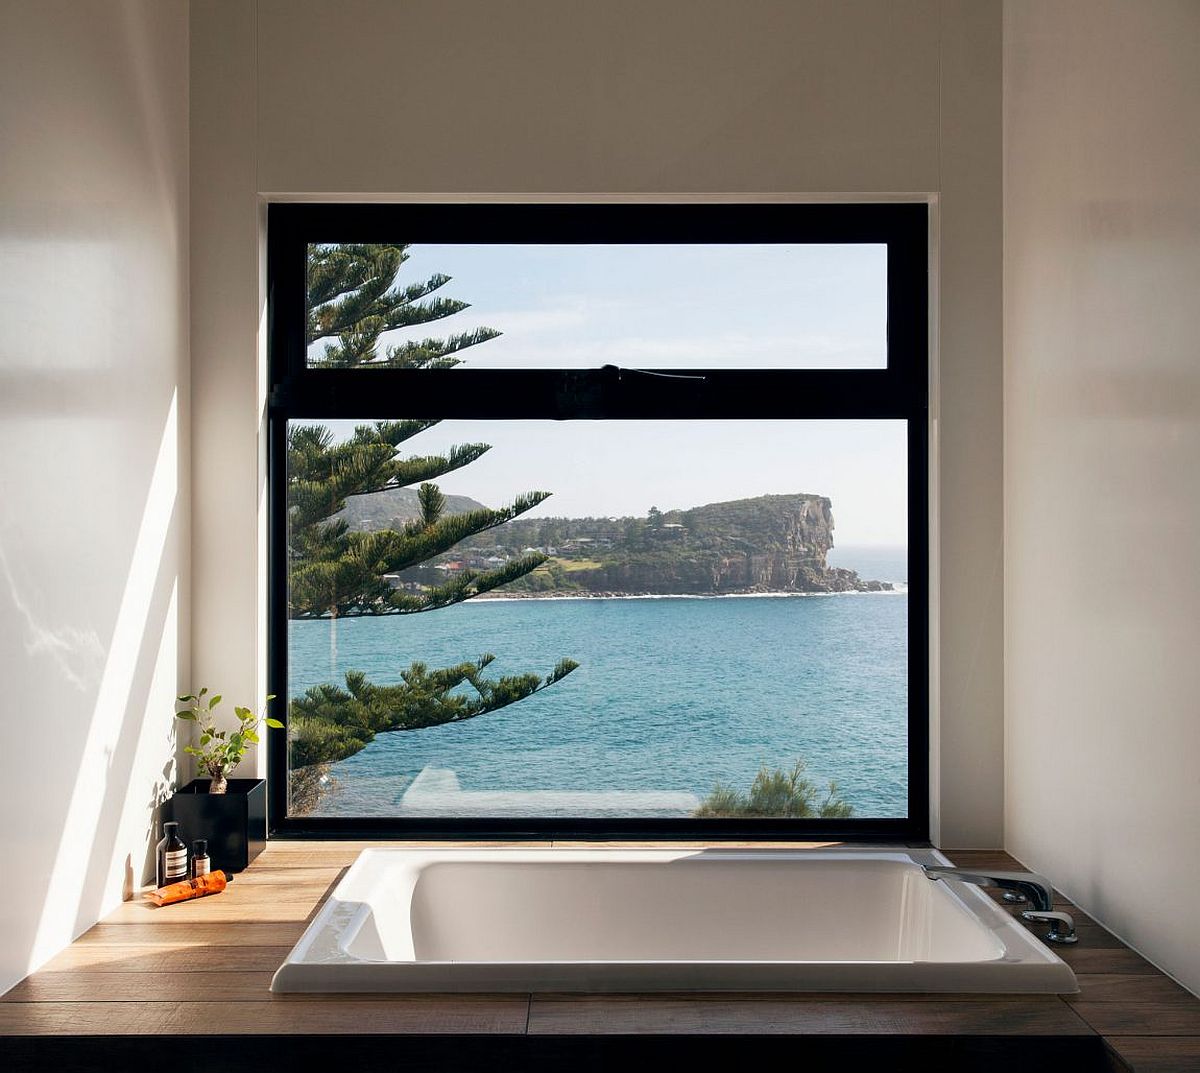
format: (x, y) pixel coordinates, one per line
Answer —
(537, 96)
(93, 452)
(1102, 461)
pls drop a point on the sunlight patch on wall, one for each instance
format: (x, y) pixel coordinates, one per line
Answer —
(69, 874)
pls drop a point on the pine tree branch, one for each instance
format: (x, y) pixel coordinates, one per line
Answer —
(353, 298)
(415, 470)
(331, 723)
(393, 310)
(427, 351)
(465, 586)
(393, 433)
(352, 585)
(335, 270)
(450, 530)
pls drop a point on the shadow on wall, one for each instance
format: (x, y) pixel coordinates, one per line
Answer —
(93, 392)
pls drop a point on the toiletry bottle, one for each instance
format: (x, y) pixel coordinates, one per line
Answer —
(211, 883)
(172, 856)
(201, 864)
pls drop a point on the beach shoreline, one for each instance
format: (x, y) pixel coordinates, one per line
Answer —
(897, 589)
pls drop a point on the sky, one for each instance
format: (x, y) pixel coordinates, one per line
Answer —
(661, 306)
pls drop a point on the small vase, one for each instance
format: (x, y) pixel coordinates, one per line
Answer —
(219, 784)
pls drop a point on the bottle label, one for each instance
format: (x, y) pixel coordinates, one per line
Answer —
(175, 864)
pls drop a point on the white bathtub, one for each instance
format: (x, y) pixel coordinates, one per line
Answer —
(654, 920)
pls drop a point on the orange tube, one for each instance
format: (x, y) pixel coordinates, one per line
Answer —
(209, 883)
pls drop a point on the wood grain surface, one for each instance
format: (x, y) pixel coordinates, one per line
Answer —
(148, 972)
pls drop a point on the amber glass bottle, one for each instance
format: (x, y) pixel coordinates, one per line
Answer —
(171, 858)
(201, 862)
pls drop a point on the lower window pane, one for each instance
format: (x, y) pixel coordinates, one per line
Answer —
(672, 633)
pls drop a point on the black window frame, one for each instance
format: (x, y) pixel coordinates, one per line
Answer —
(899, 392)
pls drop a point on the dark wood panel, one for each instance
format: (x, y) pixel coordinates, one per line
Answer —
(1116, 959)
(228, 986)
(1158, 1054)
(1091, 936)
(1142, 1018)
(199, 987)
(115, 957)
(1114, 987)
(656, 1014)
(458, 1014)
(1079, 916)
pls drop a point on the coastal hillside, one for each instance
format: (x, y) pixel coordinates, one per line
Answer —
(393, 508)
(773, 543)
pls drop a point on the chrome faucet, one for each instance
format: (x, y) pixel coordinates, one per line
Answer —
(1027, 886)
(1032, 886)
(1062, 925)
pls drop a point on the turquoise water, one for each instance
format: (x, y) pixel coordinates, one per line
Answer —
(673, 694)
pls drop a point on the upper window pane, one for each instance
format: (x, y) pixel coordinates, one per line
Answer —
(577, 305)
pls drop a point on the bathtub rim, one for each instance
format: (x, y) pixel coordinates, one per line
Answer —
(299, 972)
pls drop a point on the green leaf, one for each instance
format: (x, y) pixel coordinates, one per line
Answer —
(251, 737)
(243, 713)
(214, 701)
(270, 696)
(202, 692)
(189, 716)
(185, 700)
(274, 723)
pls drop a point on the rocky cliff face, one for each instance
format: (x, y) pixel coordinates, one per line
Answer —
(766, 544)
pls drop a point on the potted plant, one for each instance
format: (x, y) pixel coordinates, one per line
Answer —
(230, 813)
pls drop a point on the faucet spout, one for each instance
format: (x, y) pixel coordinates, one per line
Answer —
(1033, 886)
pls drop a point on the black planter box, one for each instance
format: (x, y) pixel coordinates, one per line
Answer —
(235, 822)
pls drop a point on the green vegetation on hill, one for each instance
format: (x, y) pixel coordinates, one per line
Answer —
(773, 543)
(393, 508)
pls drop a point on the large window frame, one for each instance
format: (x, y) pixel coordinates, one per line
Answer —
(899, 391)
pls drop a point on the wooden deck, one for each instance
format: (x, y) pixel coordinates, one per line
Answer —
(201, 970)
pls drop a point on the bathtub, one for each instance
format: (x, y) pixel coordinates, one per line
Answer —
(662, 920)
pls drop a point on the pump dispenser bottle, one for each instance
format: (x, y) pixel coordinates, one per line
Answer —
(171, 858)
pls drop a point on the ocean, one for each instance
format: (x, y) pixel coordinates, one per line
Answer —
(673, 695)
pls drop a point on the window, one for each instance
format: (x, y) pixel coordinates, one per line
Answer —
(554, 496)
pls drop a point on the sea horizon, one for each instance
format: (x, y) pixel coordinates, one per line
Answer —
(656, 707)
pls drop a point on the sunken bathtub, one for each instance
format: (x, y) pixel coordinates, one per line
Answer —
(656, 920)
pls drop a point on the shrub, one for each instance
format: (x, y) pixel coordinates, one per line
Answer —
(778, 793)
